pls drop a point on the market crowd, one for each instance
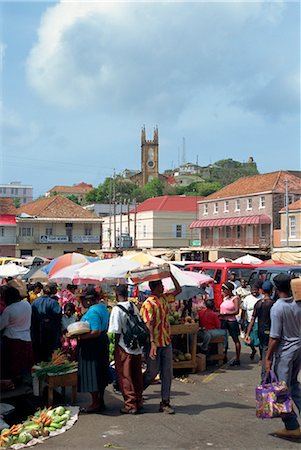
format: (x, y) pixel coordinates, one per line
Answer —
(264, 315)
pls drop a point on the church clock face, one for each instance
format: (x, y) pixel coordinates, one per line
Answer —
(150, 158)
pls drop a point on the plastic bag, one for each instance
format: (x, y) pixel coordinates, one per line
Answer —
(272, 399)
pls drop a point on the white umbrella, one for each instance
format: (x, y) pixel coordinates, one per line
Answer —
(12, 270)
(248, 259)
(67, 274)
(114, 269)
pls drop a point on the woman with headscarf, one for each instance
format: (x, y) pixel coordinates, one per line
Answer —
(17, 355)
(228, 310)
(93, 351)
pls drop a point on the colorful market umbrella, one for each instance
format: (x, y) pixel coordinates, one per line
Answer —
(114, 269)
(189, 281)
(66, 260)
(67, 275)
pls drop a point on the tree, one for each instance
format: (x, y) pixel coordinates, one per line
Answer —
(153, 188)
(73, 198)
(17, 202)
(201, 188)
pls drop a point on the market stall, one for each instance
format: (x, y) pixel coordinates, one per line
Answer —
(189, 361)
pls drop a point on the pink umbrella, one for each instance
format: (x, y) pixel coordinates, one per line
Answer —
(66, 260)
(67, 275)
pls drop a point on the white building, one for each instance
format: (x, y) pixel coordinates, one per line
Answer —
(16, 190)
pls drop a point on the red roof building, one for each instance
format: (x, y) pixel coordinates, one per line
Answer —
(244, 216)
(175, 203)
(158, 223)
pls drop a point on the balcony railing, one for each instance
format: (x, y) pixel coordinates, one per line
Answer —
(262, 242)
(8, 240)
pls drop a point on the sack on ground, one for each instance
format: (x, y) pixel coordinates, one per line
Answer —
(136, 333)
(272, 399)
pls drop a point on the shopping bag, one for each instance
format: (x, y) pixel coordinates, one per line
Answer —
(272, 398)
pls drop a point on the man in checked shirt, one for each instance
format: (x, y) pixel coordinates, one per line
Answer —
(155, 313)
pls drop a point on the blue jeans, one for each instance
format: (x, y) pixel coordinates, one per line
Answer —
(287, 366)
(163, 364)
(205, 337)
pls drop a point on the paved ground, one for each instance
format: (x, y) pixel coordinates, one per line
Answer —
(213, 410)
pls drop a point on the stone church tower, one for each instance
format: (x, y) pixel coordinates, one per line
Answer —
(149, 157)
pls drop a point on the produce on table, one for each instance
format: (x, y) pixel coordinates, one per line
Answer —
(59, 364)
(178, 356)
(176, 319)
(40, 424)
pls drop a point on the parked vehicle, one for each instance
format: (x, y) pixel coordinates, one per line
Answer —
(220, 272)
(269, 272)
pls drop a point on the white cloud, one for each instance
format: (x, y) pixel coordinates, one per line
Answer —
(151, 57)
(17, 132)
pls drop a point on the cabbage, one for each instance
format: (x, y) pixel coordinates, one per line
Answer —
(59, 410)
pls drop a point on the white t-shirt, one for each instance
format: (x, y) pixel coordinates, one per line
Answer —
(118, 324)
(248, 305)
(16, 321)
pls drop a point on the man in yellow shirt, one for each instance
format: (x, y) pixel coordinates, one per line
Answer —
(155, 313)
(36, 292)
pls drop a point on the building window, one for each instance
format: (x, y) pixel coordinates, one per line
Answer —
(48, 231)
(238, 231)
(88, 231)
(206, 208)
(1, 231)
(26, 231)
(262, 201)
(226, 206)
(215, 208)
(227, 232)
(178, 231)
(249, 203)
(207, 233)
(237, 204)
(292, 226)
(24, 191)
(144, 231)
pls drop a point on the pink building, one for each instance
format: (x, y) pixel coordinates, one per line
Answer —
(243, 215)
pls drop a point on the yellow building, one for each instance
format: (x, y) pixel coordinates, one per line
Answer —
(53, 226)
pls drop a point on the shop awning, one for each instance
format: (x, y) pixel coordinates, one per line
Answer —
(231, 221)
(7, 219)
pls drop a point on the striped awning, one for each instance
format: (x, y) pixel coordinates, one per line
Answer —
(231, 221)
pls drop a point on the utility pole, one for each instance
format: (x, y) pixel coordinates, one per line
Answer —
(286, 211)
(129, 224)
(114, 210)
(110, 215)
(120, 221)
(135, 223)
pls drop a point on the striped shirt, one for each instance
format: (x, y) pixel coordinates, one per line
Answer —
(155, 310)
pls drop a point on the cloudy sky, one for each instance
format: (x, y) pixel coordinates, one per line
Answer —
(80, 79)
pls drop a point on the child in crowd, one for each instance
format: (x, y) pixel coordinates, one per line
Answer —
(69, 345)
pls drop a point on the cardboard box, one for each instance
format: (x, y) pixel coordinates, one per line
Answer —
(201, 362)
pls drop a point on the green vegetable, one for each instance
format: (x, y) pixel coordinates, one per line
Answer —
(32, 426)
(24, 437)
(51, 428)
(56, 425)
(59, 410)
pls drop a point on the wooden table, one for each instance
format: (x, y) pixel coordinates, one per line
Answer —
(192, 329)
(63, 381)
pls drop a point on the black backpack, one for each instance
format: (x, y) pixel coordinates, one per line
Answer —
(136, 333)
